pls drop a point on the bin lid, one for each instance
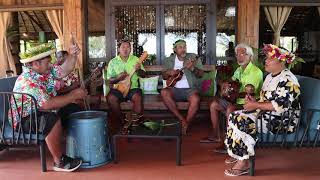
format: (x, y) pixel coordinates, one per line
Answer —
(85, 115)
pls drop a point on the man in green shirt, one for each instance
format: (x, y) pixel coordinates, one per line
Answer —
(246, 73)
(186, 88)
(118, 69)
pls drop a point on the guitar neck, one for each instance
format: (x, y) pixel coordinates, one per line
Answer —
(87, 80)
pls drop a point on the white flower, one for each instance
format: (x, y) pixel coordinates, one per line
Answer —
(282, 92)
(268, 94)
(290, 128)
(291, 98)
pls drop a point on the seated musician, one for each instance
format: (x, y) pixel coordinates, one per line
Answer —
(37, 79)
(119, 69)
(280, 93)
(246, 74)
(186, 88)
(72, 81)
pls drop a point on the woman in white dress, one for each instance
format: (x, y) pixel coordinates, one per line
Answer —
(279, 93)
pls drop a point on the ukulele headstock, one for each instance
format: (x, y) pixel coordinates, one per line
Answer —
(143, 57)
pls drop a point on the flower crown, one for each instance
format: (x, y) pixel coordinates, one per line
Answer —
(278, 53)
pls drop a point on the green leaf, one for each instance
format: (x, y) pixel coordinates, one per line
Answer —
(152, 125)
(37, 50)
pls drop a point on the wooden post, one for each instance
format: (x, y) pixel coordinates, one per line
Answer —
(248, 22)
(74, 22)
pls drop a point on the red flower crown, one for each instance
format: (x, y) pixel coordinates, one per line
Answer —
(277, 53)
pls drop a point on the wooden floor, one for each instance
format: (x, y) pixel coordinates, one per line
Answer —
(155, 160)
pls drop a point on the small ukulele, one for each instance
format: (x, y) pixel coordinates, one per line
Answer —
(230, 91)
(172, 80)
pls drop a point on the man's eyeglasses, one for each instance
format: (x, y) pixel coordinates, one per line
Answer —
(242, 54)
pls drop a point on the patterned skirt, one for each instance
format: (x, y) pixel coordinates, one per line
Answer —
(241, 134)
(242, 130)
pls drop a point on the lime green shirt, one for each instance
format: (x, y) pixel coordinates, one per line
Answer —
(117, 66)
(250, 75)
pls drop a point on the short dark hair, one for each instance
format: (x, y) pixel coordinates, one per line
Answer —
(124, 41)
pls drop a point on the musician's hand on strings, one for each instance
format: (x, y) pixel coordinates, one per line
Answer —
(190, 65)
(250, 98)
(122, 76)
(137, 66)
(250, 105)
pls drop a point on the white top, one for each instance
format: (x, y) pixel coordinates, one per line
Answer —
(183, 83)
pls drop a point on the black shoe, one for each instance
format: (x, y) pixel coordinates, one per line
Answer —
(67, 164)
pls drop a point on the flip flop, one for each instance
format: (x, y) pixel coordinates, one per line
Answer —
(230, 161)
(209, 140)
(230, 172)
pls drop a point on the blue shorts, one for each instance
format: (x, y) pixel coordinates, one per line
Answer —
(182, 94)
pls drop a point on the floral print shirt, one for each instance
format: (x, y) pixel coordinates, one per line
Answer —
(66, 81)
(40, 86)
(283, 92)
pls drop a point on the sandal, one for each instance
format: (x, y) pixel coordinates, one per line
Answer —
(137, 119)
(184, 128)
(236, 172)
(230, 160)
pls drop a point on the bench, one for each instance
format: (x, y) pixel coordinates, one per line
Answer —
(153, 102)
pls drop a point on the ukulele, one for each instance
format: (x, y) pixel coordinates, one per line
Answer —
(124, 85)
(172, 80)
(230, 91)
(97, 72)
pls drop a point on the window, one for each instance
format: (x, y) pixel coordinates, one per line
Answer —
(289, 42)
(97, 47)
(223, 45)
(187, 22)
(225, 39)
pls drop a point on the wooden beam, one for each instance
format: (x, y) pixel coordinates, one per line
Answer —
(74, 24)
(248, 22)
(290, 2)
(156, 2)
(35, 30)
(35, 21)
(30, 7)
(23, 21)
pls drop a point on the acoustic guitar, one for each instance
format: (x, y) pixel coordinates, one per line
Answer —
(172, 80)
(230, 91)
(124, 85)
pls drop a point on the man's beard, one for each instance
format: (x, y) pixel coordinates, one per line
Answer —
(183, 55)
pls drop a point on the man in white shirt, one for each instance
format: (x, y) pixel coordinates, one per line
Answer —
(184, 89)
